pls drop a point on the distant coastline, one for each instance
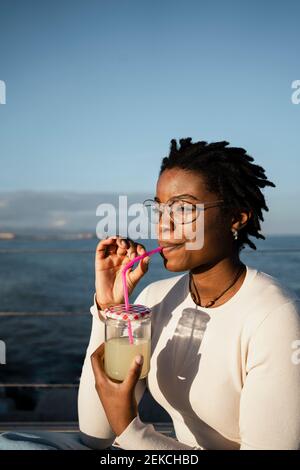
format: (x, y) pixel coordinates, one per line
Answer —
(48, 236)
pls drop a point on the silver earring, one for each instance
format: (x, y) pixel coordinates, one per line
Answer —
(235, 233)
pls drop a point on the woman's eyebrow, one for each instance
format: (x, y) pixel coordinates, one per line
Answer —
(180, 196)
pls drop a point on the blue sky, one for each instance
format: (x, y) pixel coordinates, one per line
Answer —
(97, 89)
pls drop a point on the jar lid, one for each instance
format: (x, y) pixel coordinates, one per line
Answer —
(134, 312)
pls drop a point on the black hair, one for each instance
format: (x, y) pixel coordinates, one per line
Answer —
(229, 173)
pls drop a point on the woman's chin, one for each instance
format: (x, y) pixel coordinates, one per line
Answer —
(175, 265)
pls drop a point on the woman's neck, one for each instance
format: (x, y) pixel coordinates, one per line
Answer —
(212, 280)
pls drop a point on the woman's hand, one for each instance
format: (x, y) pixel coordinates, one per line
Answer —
(111, 256)
(118, 398)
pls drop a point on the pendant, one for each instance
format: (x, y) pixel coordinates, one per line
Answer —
(209, 304)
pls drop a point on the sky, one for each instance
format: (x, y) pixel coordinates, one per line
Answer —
(95, 91)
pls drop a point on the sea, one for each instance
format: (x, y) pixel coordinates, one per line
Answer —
(46, 291)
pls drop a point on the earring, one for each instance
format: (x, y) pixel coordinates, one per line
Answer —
(235, 233)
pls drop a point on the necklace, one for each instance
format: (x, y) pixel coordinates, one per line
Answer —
(211, 302)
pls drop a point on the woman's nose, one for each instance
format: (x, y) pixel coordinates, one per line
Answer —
(165, 225)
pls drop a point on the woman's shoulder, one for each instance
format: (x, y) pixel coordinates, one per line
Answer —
(271, 302)
(275, 291)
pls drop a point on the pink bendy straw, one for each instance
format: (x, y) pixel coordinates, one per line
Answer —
(125, 288)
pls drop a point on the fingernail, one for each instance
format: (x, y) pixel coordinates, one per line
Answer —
(147, 259)
(139, 360)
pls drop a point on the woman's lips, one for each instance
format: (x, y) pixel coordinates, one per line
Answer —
(170, 247)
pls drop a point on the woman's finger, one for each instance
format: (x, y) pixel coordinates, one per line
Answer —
(105, 247)
(142, 266)
(135, 250)
(134, 373)
(140, 270)
(97, 359)
(131, 253)
(140, 248)
(122, 246)
(130, 250)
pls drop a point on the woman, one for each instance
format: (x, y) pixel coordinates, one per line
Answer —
(223, 332)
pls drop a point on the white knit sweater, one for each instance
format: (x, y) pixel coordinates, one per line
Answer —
(228, 376)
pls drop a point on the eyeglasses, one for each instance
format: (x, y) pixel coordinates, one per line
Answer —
(180, 211)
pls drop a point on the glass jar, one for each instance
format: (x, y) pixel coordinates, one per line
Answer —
(127, 334)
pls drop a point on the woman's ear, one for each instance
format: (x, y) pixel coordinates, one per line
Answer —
(241, 220)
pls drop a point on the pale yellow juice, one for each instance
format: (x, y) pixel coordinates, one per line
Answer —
(119, 355)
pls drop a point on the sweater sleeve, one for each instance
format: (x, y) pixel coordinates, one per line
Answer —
(270, 399)
(94, 427)
(141, 436)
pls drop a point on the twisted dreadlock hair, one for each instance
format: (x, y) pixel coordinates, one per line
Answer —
(229, 173)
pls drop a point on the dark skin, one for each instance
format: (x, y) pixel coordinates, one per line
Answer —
(213, 268)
